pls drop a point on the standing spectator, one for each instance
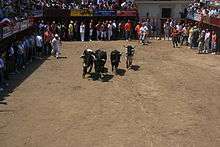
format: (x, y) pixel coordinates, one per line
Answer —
(110, 30)
(214, 43)
(128, 31)
(32, 46)
(91, 29)
(120, 30)
(82, 31)
(39, 44)
(102, 29)
(184, 35)
(76, 30)
(56, 46)
(70, 31)
(201, 41)
(63, 32)
(194, 37)
(11, 59)
(98, 31)
(166, 28)
(26, 49)
(190, 36)
(137, 29)
(58, 29)
(47, 40)
(174, 36)
(143, 34)
(2, 66)
(53, 27)
(20, 56)
(114, 30)
(207, 41)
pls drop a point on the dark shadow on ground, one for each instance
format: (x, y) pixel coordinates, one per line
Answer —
(16, 80)
(106, 77)
(62, 57)
(135, 67)
(120, 72)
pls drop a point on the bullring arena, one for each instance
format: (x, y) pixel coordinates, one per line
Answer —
(169, 98)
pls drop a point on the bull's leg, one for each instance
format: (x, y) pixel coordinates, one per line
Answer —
(116, 67)
(127, 63)
(101, 75)
(90, 69)
(112, 67)
(130, 62)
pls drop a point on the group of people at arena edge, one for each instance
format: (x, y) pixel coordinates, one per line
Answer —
(192, 35)
(36, 44)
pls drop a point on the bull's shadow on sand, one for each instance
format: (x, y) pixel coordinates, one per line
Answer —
(120, 72)
(106, 77)
(135, 67)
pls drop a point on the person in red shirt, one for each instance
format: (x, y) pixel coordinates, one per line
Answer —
(127, 29)
(47, 40)
(174, 36)
(137, 29)
(214, 42)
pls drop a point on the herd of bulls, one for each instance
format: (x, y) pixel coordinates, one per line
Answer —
(98, 59)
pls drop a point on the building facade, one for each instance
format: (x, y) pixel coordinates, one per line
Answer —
(161, 8)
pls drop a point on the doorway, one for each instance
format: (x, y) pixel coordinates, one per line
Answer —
(166, 12)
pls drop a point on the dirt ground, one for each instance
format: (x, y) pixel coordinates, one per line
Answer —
(170, 99)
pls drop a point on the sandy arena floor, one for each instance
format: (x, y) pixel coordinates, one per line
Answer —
(171, 99)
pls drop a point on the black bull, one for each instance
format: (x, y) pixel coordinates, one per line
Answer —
(88, 60)
(99, 62)
(115, 59)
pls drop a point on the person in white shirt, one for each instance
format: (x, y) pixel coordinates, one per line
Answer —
(166, 28)
(39, 44)
(109, 30)
(144, 32)
(56, 46)
(207, 41)
(82, 31)
(114, 29)
(70, 31)
(91, 29)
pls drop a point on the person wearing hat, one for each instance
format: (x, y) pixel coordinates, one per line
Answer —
(56, 46)
(70, 31)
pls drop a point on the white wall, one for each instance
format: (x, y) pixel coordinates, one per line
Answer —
(155, 10)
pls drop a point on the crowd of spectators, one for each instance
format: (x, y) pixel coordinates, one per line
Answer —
(201, 39)
(90, 30)
(203, 8)
(15, 56)
(89, 4)
(16, 10)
